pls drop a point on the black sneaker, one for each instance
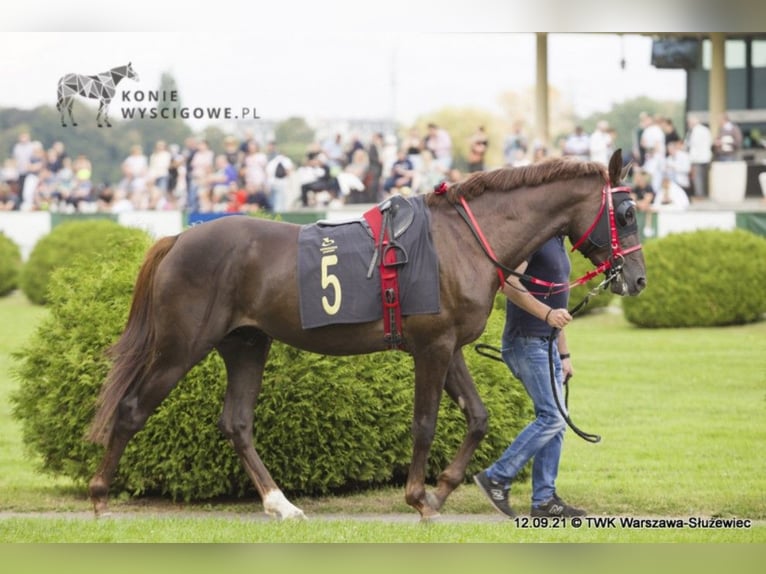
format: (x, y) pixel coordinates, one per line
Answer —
(556, 507)
(496, 493)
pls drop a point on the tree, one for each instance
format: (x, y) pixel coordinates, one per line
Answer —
(520, 107)
(293, 135)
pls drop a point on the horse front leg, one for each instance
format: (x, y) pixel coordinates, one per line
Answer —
(101, 114)
(106, 113)
(462, 390)
(430, 372)
(245, 357)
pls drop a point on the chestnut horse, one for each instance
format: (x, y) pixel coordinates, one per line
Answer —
(231, 285)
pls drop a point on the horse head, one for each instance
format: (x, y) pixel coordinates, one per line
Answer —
(131, 73)
(611, 240)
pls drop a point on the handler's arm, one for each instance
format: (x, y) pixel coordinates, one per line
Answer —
(518, 294)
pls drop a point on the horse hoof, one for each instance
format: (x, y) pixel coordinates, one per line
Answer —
(430, 517)
(276, 504)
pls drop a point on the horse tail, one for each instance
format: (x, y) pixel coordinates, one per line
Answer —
(133, 352)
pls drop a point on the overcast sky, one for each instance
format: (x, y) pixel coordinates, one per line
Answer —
(338, 58)
(349, 75)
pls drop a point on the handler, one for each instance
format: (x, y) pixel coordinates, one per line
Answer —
(528, 325)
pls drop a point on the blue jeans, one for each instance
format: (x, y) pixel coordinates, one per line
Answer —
(527, 357)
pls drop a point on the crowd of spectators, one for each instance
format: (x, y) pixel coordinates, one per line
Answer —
(244, 175)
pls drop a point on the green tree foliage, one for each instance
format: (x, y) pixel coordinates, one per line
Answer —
(10, 264)
(62, 246)
(702, 279)
(322, 423)
(293, 135)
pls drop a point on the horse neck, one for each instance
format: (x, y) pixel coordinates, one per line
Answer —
(517, 223)
(118, 74)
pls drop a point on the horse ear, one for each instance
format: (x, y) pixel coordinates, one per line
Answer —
(626, 170)
(615, 167)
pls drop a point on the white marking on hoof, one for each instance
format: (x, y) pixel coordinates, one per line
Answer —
(276, 504)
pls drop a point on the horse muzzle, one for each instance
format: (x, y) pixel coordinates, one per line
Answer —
(625, 286)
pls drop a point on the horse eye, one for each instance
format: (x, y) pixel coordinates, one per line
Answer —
(627, 213)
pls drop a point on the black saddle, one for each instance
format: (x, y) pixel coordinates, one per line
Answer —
(400, 215)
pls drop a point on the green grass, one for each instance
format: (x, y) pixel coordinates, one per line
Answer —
(244, 530)
(682, 414)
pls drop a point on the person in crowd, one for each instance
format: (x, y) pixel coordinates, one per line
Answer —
(402, 172)
(699, 142)
(135, 172)
(278, 172)
(643, 194)
(669, 129)
(671, 196)
(679, 166)
(440, 144)
(577, 144)
(600, 143)
(515, 145)
(477, 150)
(654, 150)
(728, 142)
(375, 172)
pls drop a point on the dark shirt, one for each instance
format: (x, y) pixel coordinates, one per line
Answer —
(549, 263)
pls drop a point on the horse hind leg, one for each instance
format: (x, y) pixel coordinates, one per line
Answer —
(244, 353)
(69, 107)
(131, 416)
(430, 371)
(61, 108)
(462, 390)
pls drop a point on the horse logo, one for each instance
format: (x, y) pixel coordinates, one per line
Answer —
(100, 87)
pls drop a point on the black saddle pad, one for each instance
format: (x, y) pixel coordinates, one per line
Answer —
(333, 263)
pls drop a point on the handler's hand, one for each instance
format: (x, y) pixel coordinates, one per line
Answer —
(559, 318)
(566, 368)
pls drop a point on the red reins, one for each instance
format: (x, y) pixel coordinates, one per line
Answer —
(616, 250)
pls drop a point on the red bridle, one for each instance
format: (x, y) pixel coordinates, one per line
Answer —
(617, 253)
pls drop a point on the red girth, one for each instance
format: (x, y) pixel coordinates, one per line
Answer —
(388, 265)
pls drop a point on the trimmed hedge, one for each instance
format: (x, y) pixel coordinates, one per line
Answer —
(322, 424)
(10, 264)
(62, 246)
(702, 279)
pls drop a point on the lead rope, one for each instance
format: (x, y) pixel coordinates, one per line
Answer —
(496, 354)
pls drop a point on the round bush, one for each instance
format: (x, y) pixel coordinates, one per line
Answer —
(702, 279)
(10, 264)
(61, 246)
(322, 424)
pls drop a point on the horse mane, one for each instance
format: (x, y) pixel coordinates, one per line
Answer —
(507, 178)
